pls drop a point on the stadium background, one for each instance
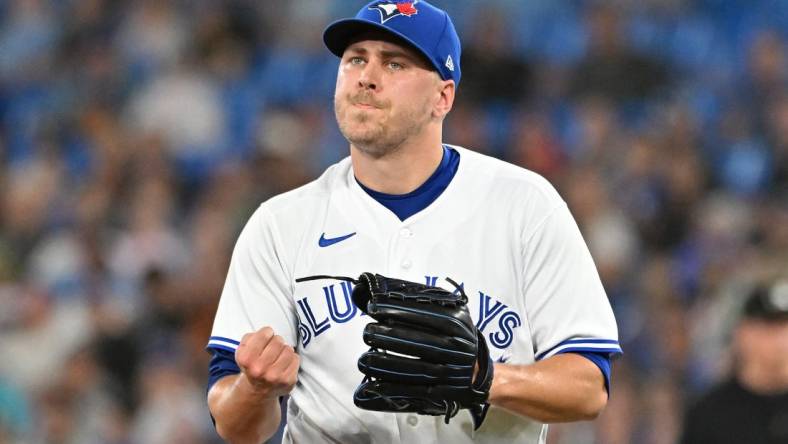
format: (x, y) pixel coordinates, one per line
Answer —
(136, 137)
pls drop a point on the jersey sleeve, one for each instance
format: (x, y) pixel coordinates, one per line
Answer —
(566, 305)
(257, 292)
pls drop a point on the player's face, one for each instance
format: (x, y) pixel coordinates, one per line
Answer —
(385, 94)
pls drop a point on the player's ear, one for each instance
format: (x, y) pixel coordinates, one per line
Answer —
(446, 90)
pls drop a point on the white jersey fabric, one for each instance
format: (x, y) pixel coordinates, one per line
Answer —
(501, 231)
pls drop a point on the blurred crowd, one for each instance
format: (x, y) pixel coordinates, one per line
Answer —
(136, 137)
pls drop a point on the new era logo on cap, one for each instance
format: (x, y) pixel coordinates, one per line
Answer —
(450, 63)
(389, 10)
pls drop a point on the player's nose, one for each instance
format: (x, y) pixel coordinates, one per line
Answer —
(369, 77)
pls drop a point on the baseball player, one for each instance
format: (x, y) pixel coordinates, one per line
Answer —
(408, 206)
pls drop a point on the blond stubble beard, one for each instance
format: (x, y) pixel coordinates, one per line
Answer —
(386, 136)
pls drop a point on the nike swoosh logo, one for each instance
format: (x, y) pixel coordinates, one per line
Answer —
(325, 242)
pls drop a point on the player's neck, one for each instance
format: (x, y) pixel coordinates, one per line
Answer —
(400, 171)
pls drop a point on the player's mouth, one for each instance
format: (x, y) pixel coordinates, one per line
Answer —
(365, 105)
(364, 102)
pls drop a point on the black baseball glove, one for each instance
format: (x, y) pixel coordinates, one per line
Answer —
(424, 349)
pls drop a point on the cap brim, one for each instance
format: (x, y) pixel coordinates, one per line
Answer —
(340, 34)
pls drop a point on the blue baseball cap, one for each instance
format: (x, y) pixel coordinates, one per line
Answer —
(421, 25)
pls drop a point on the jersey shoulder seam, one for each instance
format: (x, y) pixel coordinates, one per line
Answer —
(500, 169)
(278, 245)
(542, 222)
(318, 188)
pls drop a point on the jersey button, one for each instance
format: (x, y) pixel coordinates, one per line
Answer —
(406, 263)
(413, 420)
(405, 232)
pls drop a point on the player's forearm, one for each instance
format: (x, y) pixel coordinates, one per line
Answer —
(563, 388)
(242, 415)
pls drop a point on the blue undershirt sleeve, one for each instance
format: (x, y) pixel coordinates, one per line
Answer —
(222, 364)
(602, 360)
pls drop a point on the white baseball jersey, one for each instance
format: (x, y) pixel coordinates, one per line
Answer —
(501, 231)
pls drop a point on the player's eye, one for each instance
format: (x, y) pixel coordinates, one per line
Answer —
(356, 60)
(396, 66)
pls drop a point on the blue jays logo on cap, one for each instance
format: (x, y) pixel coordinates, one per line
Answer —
(389, 10)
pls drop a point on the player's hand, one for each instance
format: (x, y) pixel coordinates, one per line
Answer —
(267, 363)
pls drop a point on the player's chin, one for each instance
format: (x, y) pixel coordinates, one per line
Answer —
(362, 139)
(361, 129)
(371, 141)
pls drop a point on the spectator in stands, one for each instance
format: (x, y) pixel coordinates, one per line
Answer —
(751, 406)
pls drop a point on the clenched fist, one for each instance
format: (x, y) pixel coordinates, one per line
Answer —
(267, 363)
